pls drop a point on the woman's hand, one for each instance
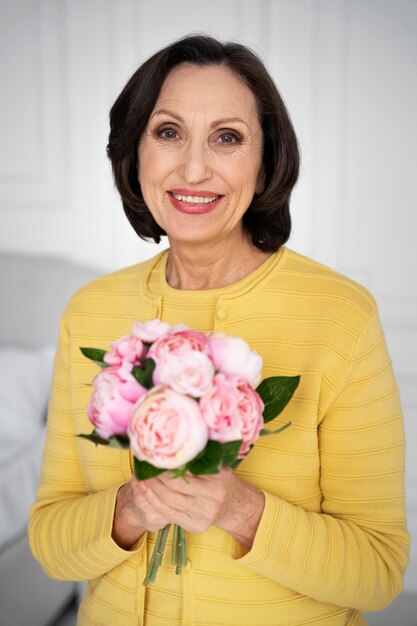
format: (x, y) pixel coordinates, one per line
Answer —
(196, 503)
(134, 515)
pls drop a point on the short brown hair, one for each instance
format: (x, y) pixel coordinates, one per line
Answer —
(267, 219)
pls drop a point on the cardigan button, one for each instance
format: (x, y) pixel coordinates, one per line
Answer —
(221, 314)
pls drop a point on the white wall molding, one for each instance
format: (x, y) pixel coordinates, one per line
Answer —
(329, 131)
(33, 164)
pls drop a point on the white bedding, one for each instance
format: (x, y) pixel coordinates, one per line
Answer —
(19, 475)
(25, 376)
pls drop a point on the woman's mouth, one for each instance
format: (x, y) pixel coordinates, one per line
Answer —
(195, 203)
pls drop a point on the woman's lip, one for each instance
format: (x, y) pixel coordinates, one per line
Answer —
(191, 208)
(202, 193)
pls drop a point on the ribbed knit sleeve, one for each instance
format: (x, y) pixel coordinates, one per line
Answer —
(70, 526)
(354, 552)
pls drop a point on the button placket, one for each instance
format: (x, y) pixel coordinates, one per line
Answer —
(220, 316)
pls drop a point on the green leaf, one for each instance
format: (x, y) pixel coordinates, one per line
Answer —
(96, 439)
(144, 470)
(266, 431)
(115, 441)
(94, 354)
(144, 374)
(276, 392)
(119, 441)
(230, 452)
(209, 461)
(239, 461)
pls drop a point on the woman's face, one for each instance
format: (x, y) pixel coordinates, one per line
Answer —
(200, 156)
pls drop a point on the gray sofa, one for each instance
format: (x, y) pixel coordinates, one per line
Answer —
(34, 291)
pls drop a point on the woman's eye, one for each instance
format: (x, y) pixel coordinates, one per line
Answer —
(168, 133)
(229, 138)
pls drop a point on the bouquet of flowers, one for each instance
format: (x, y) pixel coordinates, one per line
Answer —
(182, 401)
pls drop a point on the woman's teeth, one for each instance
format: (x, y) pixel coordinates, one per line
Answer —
(195, 199)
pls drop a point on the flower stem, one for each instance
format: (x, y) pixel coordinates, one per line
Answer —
(181, 550)
(157, 555)
(174, 553)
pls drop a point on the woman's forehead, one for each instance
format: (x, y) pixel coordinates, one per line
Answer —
(210, 90)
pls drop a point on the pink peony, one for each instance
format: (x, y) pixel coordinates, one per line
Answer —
(151, 331)
(125, 352)
(191, 373)
(167, 429)
(232, 355)
(178, 343)
(233, 411)
(112, 401)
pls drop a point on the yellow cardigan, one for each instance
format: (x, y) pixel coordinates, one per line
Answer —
(332, 540)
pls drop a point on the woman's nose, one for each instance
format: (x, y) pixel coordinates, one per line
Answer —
(195, 163)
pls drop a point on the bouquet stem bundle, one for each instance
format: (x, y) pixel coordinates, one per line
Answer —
(178, 555)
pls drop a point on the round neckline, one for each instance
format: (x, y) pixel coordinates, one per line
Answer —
(233, 290)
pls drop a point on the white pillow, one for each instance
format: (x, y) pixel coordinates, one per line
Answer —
(25, 380)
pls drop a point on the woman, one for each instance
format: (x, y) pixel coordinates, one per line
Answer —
(311, 528)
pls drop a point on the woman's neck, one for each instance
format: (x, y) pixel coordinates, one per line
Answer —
(198, 267)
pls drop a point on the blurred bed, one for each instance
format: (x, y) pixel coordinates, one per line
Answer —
(34, 291)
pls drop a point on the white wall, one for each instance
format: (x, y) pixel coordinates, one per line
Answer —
(347, 70)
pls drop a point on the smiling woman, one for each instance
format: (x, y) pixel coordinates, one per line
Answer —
(238, 74)
(310, 528)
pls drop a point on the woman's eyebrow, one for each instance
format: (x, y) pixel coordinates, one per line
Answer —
(228, 120)
(167, 112)
(220, 122)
